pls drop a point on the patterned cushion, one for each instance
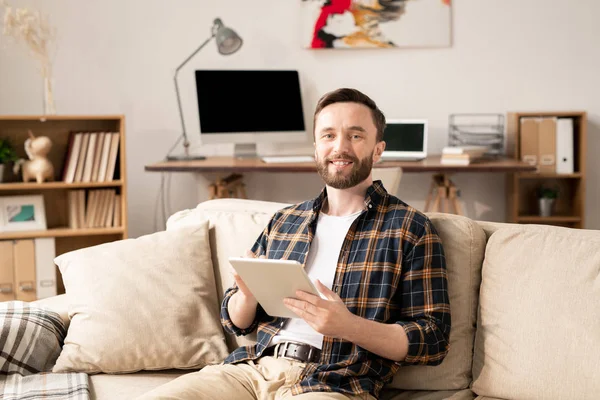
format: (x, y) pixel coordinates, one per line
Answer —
(30, 342)
(31, 338)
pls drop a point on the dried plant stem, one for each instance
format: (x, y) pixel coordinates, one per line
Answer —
(24, 24)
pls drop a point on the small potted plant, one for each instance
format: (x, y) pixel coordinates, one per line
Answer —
(7, 154)
(546, 197)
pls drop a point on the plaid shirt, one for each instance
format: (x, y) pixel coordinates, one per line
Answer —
(391, 269)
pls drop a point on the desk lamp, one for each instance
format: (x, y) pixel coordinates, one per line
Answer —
(228, 42)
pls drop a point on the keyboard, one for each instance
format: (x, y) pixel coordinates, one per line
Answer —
(287, 159)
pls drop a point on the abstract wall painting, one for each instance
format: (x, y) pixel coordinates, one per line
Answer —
(348, 24)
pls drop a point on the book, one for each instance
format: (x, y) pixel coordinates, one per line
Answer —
(112, 157)
(455, 161)
(106, 146)
(89, 158)
(460, 159)
(72, 156)
(475, 150)
(85, 138)
(98, 156)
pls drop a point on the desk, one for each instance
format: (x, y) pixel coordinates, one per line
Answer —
(442, 193)
(430, 164)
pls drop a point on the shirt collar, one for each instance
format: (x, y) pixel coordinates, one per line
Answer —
(375, 194)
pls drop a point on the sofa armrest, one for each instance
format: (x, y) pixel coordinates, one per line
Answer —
(58, 304)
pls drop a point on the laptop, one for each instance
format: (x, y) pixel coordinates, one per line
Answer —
(405, 140)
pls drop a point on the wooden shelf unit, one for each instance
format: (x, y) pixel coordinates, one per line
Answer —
(58, 129)
(522, 203)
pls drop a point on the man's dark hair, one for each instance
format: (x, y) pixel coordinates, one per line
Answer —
(346, 95)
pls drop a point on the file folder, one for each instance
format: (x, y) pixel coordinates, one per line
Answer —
(7, 277)
(547, 145)
(24, 262)
(565, 163)
(45, 269)
(528, 140)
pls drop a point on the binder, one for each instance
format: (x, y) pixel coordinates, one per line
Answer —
(565, 163)
(24, 269)
(45, 270)
(547, 145)
(7, 277)
(528, 140)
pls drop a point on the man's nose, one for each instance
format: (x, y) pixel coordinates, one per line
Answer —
(342, 145)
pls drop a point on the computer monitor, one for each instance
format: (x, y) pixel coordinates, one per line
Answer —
(405, 139)
(249, 106)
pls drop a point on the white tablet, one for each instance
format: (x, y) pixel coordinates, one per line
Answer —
(271, 281)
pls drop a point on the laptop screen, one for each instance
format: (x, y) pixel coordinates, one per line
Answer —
(401, 136)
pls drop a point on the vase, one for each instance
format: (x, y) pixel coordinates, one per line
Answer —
(546, 207)
(49, 107)
(1, 173)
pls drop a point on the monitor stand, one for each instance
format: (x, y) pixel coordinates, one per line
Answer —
(244, 150)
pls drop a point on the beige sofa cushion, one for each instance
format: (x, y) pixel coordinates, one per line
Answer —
(235, 224)
(129, 386)
(142, 304)
(464, 246)
(539, 326)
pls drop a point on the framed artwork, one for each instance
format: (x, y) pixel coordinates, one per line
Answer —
(22, 213)
(348, 24)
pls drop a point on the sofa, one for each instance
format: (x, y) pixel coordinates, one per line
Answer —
(525, 304)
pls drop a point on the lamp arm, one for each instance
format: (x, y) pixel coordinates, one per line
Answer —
(186, 143)
(194, 53)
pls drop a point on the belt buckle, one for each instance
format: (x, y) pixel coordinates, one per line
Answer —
(285, 347)
(285, 350)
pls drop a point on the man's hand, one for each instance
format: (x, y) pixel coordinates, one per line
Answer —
(243, 289)
(242, 305)
(328, 317)
(331, 318)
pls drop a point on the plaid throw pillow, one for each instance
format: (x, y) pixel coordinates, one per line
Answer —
(31, 338)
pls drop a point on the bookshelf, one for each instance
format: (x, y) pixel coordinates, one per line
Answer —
(59, 128)
(522, 203)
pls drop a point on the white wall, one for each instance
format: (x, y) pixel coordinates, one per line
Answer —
(119, 56)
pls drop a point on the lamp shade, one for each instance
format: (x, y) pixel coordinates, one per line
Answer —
(228, 42)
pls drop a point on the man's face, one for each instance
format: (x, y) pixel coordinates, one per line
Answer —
(345, 144)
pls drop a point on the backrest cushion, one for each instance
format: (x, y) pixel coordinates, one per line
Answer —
(234, 225)
(539, 327)
(464, 246)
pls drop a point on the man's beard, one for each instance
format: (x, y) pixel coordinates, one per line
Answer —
(361, 169)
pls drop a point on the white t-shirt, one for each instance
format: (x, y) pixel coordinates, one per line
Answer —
(322, 262)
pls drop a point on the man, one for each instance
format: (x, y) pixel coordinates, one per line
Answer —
(379, 263)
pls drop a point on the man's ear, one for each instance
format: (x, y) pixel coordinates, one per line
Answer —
(379, 148)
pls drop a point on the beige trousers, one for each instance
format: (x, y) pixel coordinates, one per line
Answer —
(267, 378)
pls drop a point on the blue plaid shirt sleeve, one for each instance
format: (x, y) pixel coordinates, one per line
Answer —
(258, 249)
(425, 314)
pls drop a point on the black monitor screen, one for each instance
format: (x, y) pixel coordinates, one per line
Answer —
(232, 101)
(404, 136)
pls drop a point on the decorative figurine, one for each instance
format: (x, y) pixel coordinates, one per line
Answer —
(38, 167)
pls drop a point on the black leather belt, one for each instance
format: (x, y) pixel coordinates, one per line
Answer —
(297, 351)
